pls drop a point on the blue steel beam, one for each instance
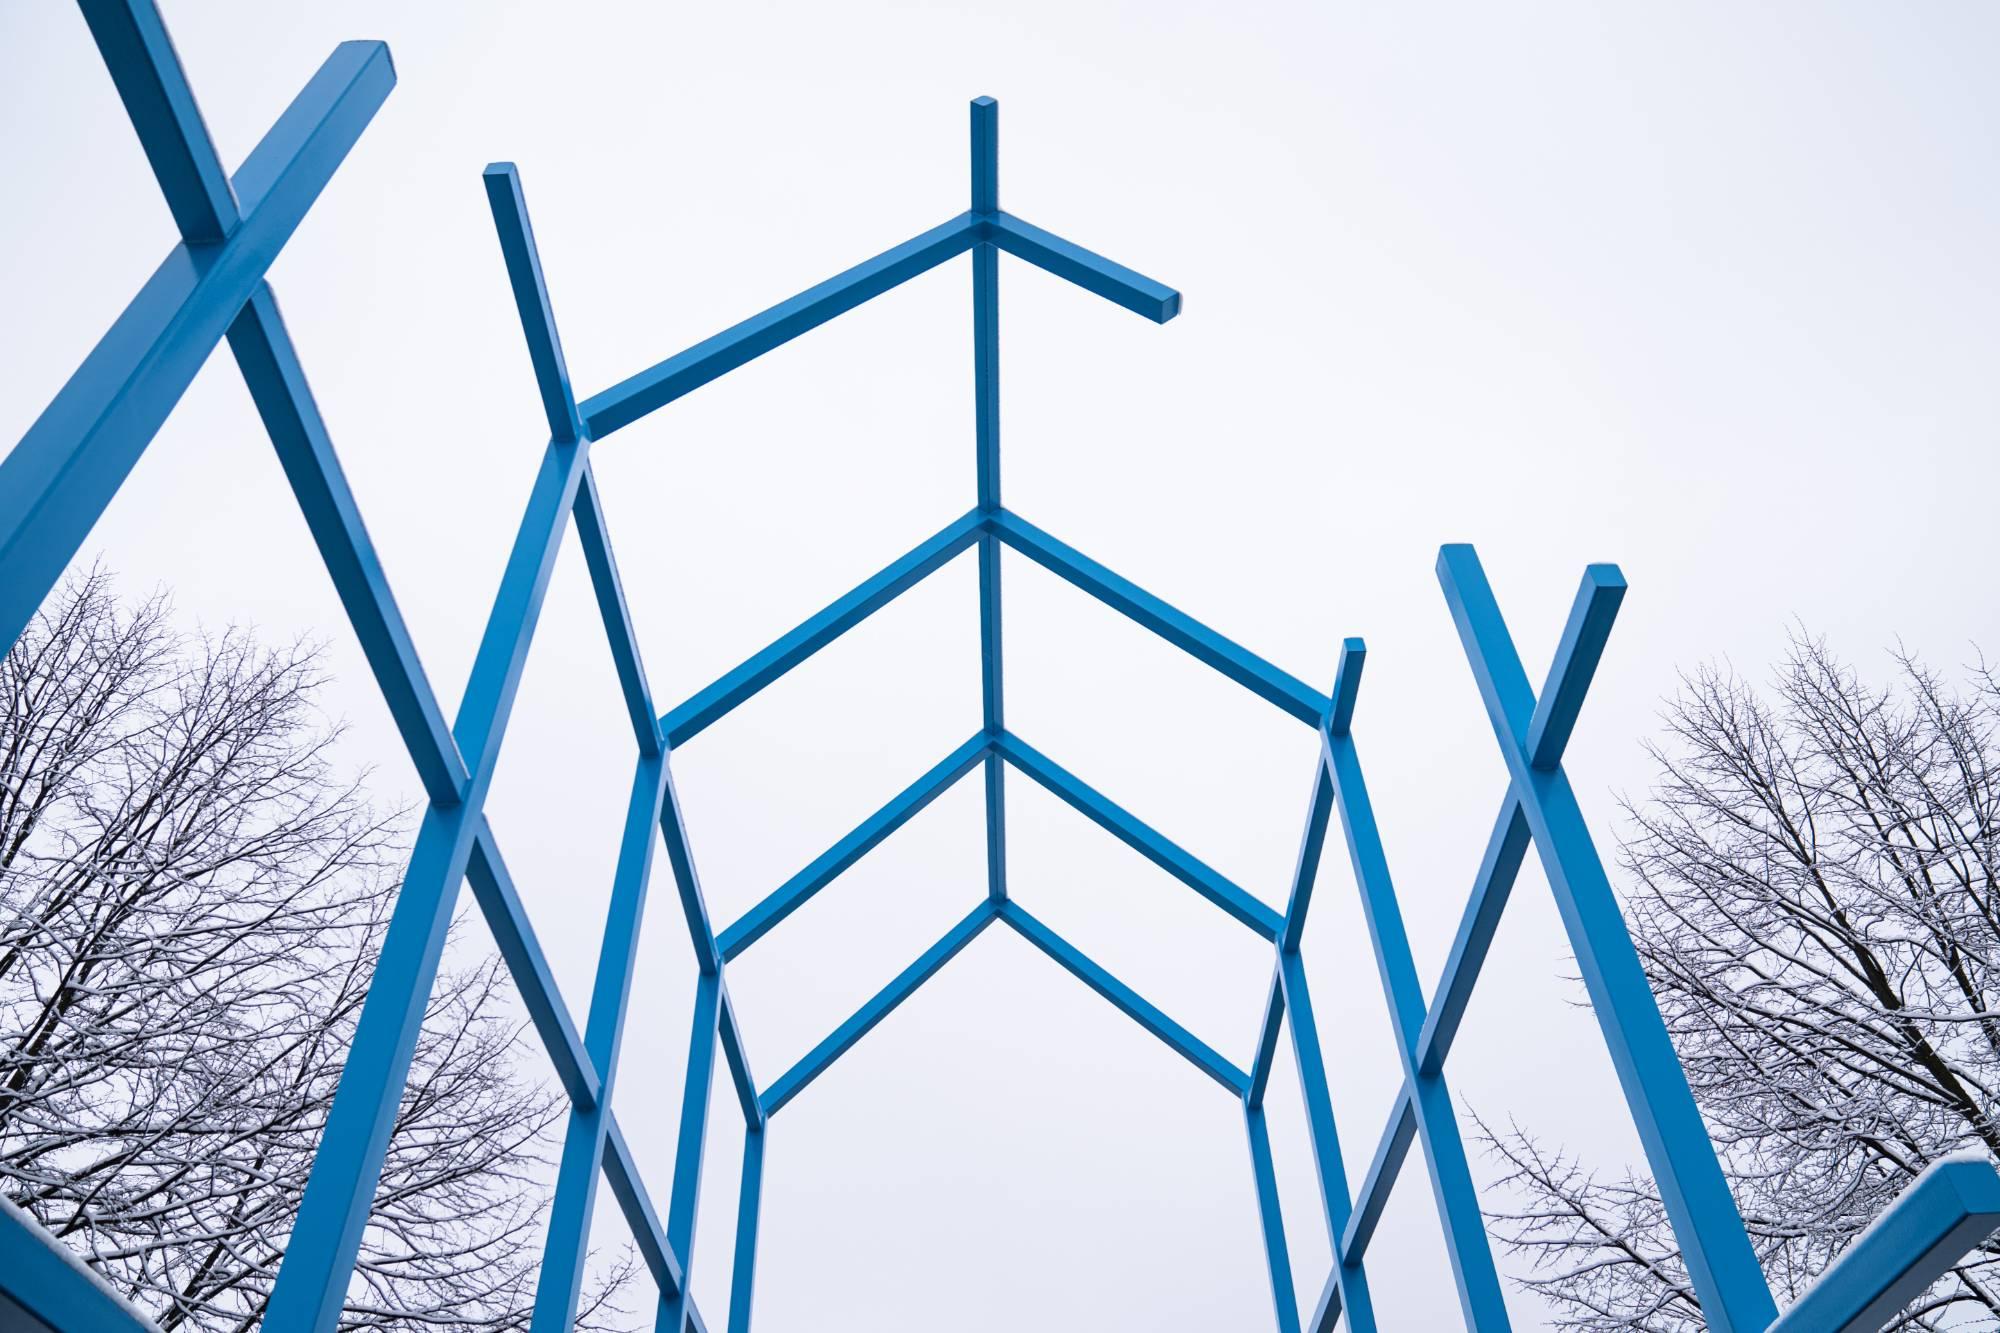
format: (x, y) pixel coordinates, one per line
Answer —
(1277, 1255)
(655, 387)
(749, 1211)
(609, 590)
(815, 1062)
(1072, 263)
(1140, 836)
(628, 1187)
(507, 918)
(531, 299)
(1241, 665)
(1268, 1033)
(1390, 1151)
(684, 1200)
(46, 1287)
(59, 478)
(901, 808)
(312, 1281)
(986, 438)
(1721, 1263)
(1347, 1282)
(1945, 1214)
(1457, 1201)
(568, 1237)
(694, 907)
(737, 1056)
(1505, 850)
(147, 72)
(1192, 1048)
(284, 401)
(710, 704)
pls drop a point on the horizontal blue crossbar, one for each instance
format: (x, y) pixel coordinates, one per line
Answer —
(1197, 1052)
(794, 892)
(1241, 665)
(1141, 837)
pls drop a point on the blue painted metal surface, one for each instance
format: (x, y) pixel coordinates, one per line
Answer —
(59, 478)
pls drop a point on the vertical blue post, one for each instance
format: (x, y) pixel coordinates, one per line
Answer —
(986, 409)
(686, 1198)
(1277, 1255)
(749, 1208)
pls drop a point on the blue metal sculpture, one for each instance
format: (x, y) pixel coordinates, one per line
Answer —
(63, 473)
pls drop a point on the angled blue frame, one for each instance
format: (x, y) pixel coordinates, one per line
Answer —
(57, 481)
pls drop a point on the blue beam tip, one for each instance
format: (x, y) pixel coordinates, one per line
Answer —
(1346, 686)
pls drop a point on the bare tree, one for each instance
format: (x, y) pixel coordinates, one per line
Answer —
(191, 905)
(1813, 894)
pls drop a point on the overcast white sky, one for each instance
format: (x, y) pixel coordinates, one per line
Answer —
(1706, 290)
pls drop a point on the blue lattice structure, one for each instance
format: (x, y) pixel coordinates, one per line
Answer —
(59, 478)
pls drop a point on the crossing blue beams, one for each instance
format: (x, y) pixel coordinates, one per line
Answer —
(1145, 1014)
(716, 700)
(59, 478)
(986, 437)
(1241, 665)
(1947, 1212)
(1138, 835)
(901, 808)
(682, 373)
(1721, 1264)
(816, 1061)
(1437, 1126)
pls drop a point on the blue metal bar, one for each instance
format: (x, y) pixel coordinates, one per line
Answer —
(1305, 867)
(1267, 1042)
(49, 1287)
(694, 907)
(1490, 889)
(58, 479)
(1721, 1263)
(568, 1238)
(1478, 1280)
(627, 401)
(986, 430)
(1277, 1255)
(312, 1281)
(1092, 272)
(507, 918)
(1241, 665)
(147, 72)
(1197, 1052)
(901, 808)
(1383, 1168)
(277, 384)
(1346, 686)
(1348, 1278)
(1141, 837)
(683, 1203)
(794, 1080)
(738, 1058)
(1582, 645)
(610, 591)
(621, 1172)
(749, 1209)
(707, 706)
(531, 298)
(1946, 1213)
